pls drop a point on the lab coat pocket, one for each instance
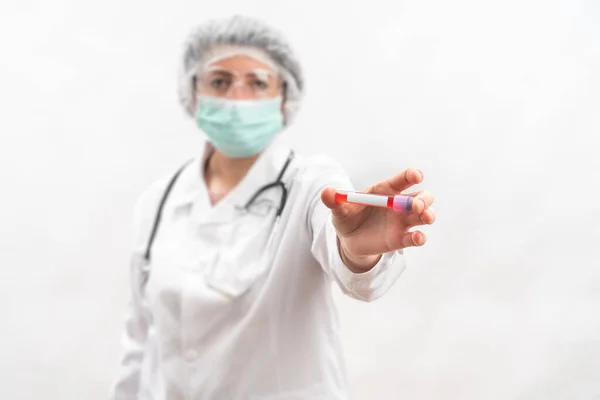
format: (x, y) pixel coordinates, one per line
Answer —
(247, 252)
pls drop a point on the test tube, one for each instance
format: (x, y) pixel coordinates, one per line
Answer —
(397, 203)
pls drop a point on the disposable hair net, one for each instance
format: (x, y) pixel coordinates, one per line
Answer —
(240, 35)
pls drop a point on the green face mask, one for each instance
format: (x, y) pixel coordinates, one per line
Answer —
(239, 128)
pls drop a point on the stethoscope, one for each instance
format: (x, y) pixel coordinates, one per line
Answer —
(278, 183)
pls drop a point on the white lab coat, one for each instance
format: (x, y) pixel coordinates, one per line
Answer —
(281, 340)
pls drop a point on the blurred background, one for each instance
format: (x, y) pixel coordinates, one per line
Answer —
(497, 102)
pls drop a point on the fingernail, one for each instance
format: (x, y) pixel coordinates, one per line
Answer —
(417, 238)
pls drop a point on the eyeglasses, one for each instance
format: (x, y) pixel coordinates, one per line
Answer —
(221, 82)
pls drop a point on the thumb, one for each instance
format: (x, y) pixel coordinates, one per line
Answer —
(337, 209)
(328, 198)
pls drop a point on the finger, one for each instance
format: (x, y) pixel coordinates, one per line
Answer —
(400, 182)
(337, 209)
(414, 239)
(418, 203)
(427, 217)
(412, 194)
(426, 197)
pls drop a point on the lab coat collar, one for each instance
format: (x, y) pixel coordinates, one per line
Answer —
(191, 186)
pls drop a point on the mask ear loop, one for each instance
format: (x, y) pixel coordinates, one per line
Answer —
(288, 85)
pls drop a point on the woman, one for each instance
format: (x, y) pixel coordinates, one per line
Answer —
(235, 254)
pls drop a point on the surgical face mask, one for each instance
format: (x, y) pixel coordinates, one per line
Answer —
(239, 128)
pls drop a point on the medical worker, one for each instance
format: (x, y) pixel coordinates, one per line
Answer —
(236, 252)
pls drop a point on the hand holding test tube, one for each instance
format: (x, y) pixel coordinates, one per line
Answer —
(379, 220)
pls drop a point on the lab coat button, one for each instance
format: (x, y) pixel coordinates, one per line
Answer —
(191, 355)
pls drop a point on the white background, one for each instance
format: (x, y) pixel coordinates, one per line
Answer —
(497, 102)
